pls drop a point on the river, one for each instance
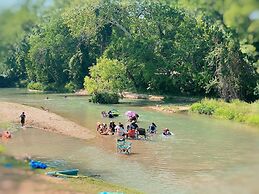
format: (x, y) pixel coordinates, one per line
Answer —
(204, 156)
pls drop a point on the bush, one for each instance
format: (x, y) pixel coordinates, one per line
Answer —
(35, 86)
(207, 107)
(107, 75)
(235, 110)
(225, 113)
(253, 119)
(51, 87)
(70, 87)
(105, 98)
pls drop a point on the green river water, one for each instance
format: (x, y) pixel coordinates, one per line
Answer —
(204, 156)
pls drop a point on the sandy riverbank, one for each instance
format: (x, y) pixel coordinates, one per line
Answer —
(169, 109)
(19, 179)
(31, 183)
(128, 95)
(131, 95)
(37, 118)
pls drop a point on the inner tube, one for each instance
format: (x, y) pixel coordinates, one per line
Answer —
(114, 112)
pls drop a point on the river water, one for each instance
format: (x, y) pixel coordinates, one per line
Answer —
(204, 156)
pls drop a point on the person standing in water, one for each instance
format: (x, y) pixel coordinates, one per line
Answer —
(22, 116)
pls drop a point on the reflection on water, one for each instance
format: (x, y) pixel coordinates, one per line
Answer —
(204, 156)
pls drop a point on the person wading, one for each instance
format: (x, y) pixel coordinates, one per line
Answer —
(22, 116)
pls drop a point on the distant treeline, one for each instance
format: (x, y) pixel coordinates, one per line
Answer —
(179, 47)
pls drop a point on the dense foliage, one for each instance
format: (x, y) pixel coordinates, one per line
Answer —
(107, 75)
(105, 98)
(236, 110)
(163, 47)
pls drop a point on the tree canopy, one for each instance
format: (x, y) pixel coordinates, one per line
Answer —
(177, 47)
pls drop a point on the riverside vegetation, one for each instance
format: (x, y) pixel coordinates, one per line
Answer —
(235, 110)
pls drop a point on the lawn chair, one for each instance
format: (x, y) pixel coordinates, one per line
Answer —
(123, 146)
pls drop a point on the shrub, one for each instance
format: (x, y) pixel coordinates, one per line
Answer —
(35, 86)
(253, 119)
(70, 87)
(196, 107)
(235, 110)
(207, 107)
(225, 112)
(105, 98)
(52, 87)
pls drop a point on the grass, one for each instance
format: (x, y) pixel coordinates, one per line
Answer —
(93, 186)
(236, 110)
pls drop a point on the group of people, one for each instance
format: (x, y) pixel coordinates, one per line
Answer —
(131, 131)
(111, 129)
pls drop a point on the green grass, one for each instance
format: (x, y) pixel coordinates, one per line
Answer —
(93, 186)
(2, 149)
(236, 110)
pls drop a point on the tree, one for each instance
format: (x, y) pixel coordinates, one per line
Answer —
(107, 75)
(52, 46)
(15, 26)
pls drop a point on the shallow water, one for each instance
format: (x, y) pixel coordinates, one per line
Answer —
(204, 156)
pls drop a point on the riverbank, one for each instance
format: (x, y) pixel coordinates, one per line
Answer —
(174, 104)
(16, 177)
(131, 95)
(170, 108)
(127, 95)
(42, 119)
